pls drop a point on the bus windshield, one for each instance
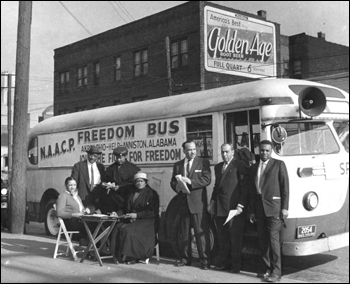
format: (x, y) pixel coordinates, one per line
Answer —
(306, 138)
(342, 129)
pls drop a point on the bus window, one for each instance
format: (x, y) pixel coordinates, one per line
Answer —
(307, 138)
(243, 130)
(200, 130)
(342, 129)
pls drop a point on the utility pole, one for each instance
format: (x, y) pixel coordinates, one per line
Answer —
(9, 123)
(168, 66)
(18, 176)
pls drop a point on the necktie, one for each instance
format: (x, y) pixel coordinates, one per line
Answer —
(224, 167)
(188, 168)
(262, 171)
(92, 178)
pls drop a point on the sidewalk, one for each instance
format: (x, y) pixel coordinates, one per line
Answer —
(28, 258)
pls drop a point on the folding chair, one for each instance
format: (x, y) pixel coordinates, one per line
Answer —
(68, 235)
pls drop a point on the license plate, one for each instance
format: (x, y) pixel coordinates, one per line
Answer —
(306, 231)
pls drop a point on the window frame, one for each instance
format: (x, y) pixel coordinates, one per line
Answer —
(142, 63)
(179, 54)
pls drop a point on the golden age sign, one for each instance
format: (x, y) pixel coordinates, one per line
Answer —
(239, 45)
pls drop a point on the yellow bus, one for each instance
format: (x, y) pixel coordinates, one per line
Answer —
(308, 123)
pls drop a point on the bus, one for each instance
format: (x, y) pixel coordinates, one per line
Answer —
(307, 122)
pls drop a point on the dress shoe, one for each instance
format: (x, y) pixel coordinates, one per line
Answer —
(273, 278)
(235, 270)
(263, 275)
(221, 267)
(130, 262)
(205, 266)
(183, 263)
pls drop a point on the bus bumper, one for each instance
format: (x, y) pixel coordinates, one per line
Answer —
(315, 246)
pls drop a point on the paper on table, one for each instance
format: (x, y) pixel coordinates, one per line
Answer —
(181, 185)
(231, 214)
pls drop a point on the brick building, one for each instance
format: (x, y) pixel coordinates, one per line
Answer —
(194, 46)
(315, 57)
(153, 57)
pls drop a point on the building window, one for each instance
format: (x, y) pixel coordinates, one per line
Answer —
(139, 98)
(141, 63)
(63, 111)
(80, 108)
(82, 77)
(64, 82)
(97, 73)
(117, 70)
(179, 53)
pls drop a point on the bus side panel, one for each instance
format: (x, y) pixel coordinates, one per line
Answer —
(42, 185)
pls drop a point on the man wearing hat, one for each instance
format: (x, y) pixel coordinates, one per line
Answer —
(89, 175)
(121, 172)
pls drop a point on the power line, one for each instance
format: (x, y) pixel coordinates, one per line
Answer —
(75, 18)
(110, 2)
(126, 10)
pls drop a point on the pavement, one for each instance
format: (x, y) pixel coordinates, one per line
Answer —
(29, 259)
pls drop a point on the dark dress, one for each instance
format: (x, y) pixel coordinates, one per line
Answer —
(136, 240)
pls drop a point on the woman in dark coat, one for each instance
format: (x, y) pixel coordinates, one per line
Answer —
(135, 240)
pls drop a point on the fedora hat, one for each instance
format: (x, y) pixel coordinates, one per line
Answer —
(120, 150)
(94, 150)
(140, 175)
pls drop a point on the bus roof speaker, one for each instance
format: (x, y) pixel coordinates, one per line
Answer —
(312, 101)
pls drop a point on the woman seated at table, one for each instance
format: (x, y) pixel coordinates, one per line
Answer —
(68, 203)
(135, 240)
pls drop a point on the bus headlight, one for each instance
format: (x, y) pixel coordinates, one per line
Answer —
(310, 201)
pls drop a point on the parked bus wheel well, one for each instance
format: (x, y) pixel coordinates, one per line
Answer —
(49, 194)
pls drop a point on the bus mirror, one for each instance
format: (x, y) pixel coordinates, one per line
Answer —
(279, 134)
(312, 101)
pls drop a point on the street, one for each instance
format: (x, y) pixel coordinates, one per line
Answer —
(28, 258)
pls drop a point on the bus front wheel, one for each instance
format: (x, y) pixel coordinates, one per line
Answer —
(51, 221)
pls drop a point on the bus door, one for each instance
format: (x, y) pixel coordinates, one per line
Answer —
(243, 130)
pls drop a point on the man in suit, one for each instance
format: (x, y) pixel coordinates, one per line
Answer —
(195, 172)
(89, 175)
(269, 198)
(121, 173)
(230, 192)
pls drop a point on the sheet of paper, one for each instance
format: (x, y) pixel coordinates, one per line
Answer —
(181, 185)
(231, 214)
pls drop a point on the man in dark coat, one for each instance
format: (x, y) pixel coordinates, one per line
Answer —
(230, 192)
(121, 173)
(195, 172)
(89, 175)
(269, 186)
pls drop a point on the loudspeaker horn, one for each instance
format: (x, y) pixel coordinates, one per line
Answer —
(312, 101)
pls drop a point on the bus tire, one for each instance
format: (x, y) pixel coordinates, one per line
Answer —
(51, 220)
(175, 238)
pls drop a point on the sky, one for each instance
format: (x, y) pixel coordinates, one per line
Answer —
(59, 23)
